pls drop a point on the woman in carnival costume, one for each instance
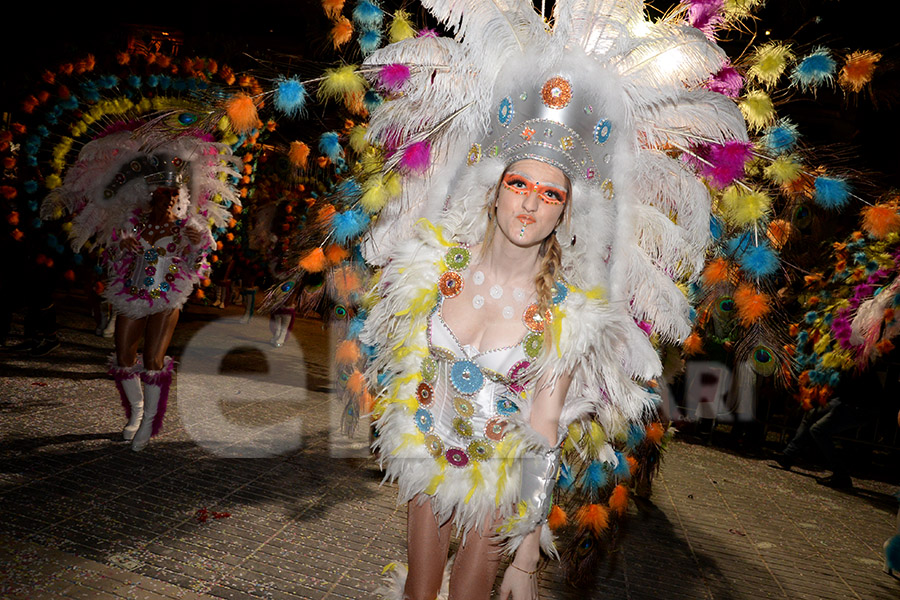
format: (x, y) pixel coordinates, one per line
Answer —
(151, 205)
(523, 272)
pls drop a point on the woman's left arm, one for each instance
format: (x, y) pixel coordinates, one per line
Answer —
(519, 581)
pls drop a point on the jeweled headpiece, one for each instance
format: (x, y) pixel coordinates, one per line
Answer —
(555, 121)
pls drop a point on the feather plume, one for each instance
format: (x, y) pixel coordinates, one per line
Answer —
(881, 220)
(752, 305)
(758, 109)
(298, 154)
(814, 70)
(618, 500)
(241, 111)
(401, 27)
(769, 62)
(341, 32)
(858, 70)
(290, 96)
(832, 193)
(593, 518)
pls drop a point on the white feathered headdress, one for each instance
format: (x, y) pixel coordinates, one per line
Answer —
(600, 91)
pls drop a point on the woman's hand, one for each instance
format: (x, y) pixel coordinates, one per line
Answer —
(193, 235)
(130, 244)
(519, 584)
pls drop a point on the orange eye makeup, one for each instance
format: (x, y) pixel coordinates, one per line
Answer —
(519, 184)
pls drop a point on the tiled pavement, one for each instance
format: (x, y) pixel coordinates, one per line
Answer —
(227, 504)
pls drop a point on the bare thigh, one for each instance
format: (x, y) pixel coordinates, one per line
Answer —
(427, 544)
(160, 328)
(128, 337)
(476, 564)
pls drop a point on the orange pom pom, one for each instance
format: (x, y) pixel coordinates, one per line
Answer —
(242, 113)
(858, 70)
(693, 345)
(314, 261)
(325, 213)
(17, 235)
(618, 500)
(13, 218)
(219, 245)
(69, 275)
(655, 432)
(335, 254)
(347, 353)
(557, 518)
(751, 304)
(632, 463)
(298, 154)
(884, 346)
(342, 32)
(593, 517)
(881, 220)
(366, 402)
(357, 382)
(236, 209)
(199, 294)
(332, 8)
(346, 282)
(229, 237)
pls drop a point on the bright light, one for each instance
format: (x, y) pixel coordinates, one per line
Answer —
(640, 28)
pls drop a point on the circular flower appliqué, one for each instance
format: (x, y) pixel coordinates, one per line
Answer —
(480, 450)
(457, 258)
(424, 420)
(514, 373)
(532, 344)
(560, 292)
(506, 111)
(164, 286)
(148, 281)
(425, 394)
(506, 406)
(462, 426)
(534, 320)
(457, 457)
(429, 368)
(434, 444)
(466, 377)
(495, 428)
(602, 130)
(450, 284)
(464, 407)
(556, 92)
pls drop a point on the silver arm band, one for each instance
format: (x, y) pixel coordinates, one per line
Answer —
(539, 473)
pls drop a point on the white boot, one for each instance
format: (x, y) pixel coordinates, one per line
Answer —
(128, 382)
(278, 326)
(283, 330)
(156, 398)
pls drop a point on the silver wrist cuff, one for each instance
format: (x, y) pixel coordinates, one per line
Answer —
(539, 473)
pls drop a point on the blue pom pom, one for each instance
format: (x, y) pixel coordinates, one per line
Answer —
(134, 81)
(290, 96)
(811, 317)
(828, 318)
(802, 337)
(834, 379)
(152, 81)
(780, 137)
(78, 259)
(70, 103)
(369, 41)
(42, 131)
(32, 205)
(636, 435)
(715, 227)
(90, 91)
(892, 553)
(859, 258)
(368, 15)
(736, 246)
(814, 70)
(107, 82)
(349, 224)
(356, 326)
(179, 85)
(832, 193)
(349, 188)
(622, 470)
(760, 261)
(594, 478)
(36, 223)
(164, 82)
(372, 100)
(31, 161)
(329, 145)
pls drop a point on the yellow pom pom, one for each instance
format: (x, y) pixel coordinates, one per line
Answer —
(52, 181)
(401, 27)
(67, 227)
(743, 208)
(739, 9)
(784, 170)
(358, 140)
(374, 195)
(769, 63)
(340, 81)
(758, 109)
(393, 184)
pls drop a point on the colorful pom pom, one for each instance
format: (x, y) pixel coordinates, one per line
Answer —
(290, 96)
(330, 145)
(758, 109)
(831, 192)
(332, 8)
(759, 261)
(618, 500)
(314, 261)
(417, 157)
(881, 220)
(715, 272)
(858, 70)
(348, 225)
(743, 208)
(242, 113)
(752, 306)
(369, 41)
(341, 32)
(298, 154)
(341, 81)
(593, 517)
(780, 137)
(769, 62)
(392, 77)
(368, 15)
(557, 518)
(814, 70)
(401, 27)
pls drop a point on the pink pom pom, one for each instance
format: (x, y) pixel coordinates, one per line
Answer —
(417, 157)
(727, 81)
(705, 15)
(392, 77)
(722, 164)
(427, 33)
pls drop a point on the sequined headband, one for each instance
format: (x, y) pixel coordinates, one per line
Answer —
(553, 124)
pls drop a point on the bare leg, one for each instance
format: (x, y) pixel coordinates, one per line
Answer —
(160, 328)
(128, 337)
(427, 545)
(476, 564)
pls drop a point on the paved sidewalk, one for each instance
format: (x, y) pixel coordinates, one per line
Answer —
(247, 493)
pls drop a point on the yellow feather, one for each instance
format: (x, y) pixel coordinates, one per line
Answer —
(769, 63)
(401, 27)
(340, 81)
(784, 170)
(358, 139)
(374, 195)
(743, 208)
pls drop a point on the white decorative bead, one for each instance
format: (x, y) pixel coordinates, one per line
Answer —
(496, 292)
(519, 294)
(478, 301)
(508, 312)
(478, 277)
